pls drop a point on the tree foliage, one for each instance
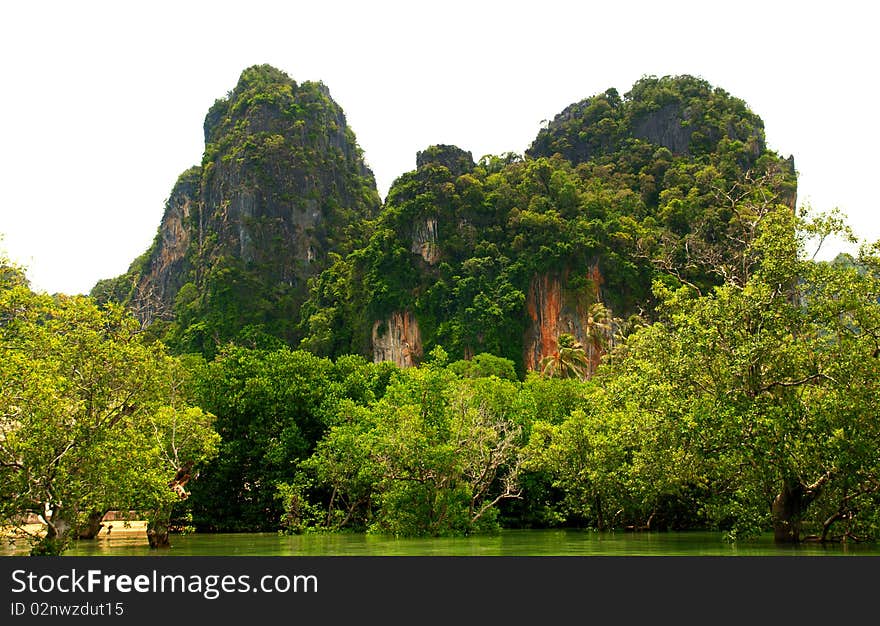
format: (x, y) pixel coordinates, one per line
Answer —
(93, 418)
(613, 194)
(756, 401)
(434, 456)
(272, 408)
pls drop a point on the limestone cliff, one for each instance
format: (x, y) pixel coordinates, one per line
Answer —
(167, 264)
(425, 228)
(667, 126)
(683, 114)
(453, 158)
(425, 241)
(506, 255)
(281, 182)
(553, 308)
(278, 234)
(397, 339)
(283, 176)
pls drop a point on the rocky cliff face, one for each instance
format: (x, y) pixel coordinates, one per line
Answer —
(281, 181)
(667, 127)
(507, 255)
(425, 241)
(425, 228)
(397, 339)
(283, 175)
(167, 264)
(554, 309)
(453, 158)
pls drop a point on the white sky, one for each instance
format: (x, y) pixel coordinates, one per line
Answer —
(102, 103)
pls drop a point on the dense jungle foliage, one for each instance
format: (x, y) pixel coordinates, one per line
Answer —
(92, 418)
(749, 408)
(613, 194)
(736, 387)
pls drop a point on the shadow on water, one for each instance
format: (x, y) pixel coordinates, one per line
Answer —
(505, 543)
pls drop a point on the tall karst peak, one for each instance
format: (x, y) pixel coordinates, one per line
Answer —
(281, 184)
(277, 237)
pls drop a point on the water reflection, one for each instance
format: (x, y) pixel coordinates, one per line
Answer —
(506, 543)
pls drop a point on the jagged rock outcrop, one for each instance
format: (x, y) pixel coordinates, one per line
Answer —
(453, 158)
(283, 174)
(281, 183)
(397, 339)
(683, 114)
(667, 127)
(167, 264)
(425, 228)
(420, 218)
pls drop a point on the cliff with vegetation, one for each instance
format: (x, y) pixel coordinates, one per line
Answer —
(739, 393)
(279, 238)
(281, 184)
(506, 254)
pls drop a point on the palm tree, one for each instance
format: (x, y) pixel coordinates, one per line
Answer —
(597, 328)
(569, 360)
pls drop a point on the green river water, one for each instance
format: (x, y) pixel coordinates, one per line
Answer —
(505, 543)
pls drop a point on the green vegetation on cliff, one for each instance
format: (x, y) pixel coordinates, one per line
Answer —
(277, 237)
(615, 192)
(282, 185)
(619, 328)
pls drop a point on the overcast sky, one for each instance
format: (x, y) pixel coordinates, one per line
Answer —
(102, 103)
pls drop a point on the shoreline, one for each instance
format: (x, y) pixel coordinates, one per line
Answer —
(109, 528)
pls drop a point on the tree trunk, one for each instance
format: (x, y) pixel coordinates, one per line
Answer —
(790, 506)
(157, 528)
(92, 527)
(157, 536)
(57, 537)
(787, 511)
(48, 546)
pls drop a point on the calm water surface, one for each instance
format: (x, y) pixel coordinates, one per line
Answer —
(506, 543)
